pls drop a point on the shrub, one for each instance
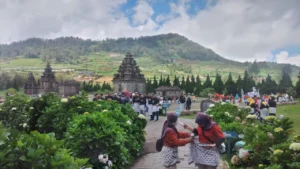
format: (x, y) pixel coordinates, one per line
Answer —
(35, 150)
(93, 134)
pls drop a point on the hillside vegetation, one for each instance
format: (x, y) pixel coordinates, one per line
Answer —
(167, 54)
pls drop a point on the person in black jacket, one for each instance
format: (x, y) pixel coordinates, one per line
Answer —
(182, 102)
(143, 103)
(272, 105)
(150, 107)
(155, 107)
(188, 103)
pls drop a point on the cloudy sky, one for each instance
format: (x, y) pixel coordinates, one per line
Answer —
(243, 30)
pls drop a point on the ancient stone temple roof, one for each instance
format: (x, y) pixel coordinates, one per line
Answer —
(31, 81)
(128, 70)
(48, 73)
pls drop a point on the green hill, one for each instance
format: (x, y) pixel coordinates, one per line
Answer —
(161, 54)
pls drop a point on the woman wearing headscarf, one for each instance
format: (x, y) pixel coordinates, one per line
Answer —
(206, 154)
(172, 139)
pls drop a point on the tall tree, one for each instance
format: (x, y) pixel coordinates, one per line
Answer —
(161, 81)
(254, 68)
(176, 81)
(155, 83)
(239, 84)
(168, 81)
(268, 86)
(247, 82)
(188, 84)
(182, 84)
(298, 86)
(207, 83)
(285, 82)
(193, 82)
(230, 86)
(218, 84)
(198, 86)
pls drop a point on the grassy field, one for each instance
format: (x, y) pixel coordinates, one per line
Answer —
(106, 65)
(290, 111)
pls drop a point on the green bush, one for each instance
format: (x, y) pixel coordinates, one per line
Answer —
(206, 91)
(34, 151)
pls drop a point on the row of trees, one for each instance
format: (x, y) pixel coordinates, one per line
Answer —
(17, 81)
(192, 84)
(91, 87)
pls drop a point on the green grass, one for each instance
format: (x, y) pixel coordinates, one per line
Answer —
(292, 112)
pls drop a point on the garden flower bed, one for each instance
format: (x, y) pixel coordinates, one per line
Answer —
(75, 132)
(268, 144)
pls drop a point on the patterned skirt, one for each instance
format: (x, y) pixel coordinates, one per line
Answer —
(169, 156)
(204, 156)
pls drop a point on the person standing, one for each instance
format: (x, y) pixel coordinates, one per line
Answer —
(272, 106)
(155, 107)
(188, 103)
(143, 103)
(150, 107)
(172, 139)
(206, 154)
(136, 103)
(182, 102)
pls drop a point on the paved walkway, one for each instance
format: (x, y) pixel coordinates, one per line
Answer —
(152, 160)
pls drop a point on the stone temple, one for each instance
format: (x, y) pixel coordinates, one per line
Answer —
(129, 77)
(47, 84)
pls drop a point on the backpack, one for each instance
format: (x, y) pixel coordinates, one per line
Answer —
(160, 141)
(159, 144)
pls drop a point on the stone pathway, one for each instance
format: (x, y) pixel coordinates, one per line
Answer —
(152, 159)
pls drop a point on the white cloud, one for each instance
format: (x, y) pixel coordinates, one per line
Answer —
(235, 29)
(284, 57)
(143, 12)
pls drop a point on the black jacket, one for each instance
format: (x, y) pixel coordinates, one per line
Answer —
(143, 101)
(136, 99)
(182, 99)
(272, 103)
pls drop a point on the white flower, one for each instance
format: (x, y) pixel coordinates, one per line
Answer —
(24, 125)
(103, 158)
(31, 108)
(104, 110)
(141, 116)
(212, 105)
(64, 100)
(109, 163)
(0, 109)
(14, 108)
(223, 103)
(295, 146)
(227, 113)
(207, 110)
(251, 116)
(239, 109)
(211, 115)
(128, 122)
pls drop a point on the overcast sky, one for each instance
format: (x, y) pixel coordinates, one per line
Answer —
(243, 30)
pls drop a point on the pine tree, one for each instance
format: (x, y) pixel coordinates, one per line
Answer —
(161, 82)
(254, 68)
(285, 82)
(218, 84)
(268, 86)
(188, 86)
(247, 82)
(193, 82)
(298, 87)
(239, 84)
(230, 86)
(176, 81)
(168, 81)
(198, 86)
(155, 83)
(182, 84)
(207, 83)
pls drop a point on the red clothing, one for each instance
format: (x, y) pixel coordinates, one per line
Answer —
(171, 139)
(214, 134)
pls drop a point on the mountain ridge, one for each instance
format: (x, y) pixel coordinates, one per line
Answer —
(164, 48)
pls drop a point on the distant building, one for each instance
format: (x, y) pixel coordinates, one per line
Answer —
(48, 84)
(129, 77)
(167, 91)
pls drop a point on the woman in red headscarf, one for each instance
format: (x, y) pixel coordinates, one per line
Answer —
(210, 138)
(172, 139)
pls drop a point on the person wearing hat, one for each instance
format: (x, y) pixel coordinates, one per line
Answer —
(210, 137)
(172, 139)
